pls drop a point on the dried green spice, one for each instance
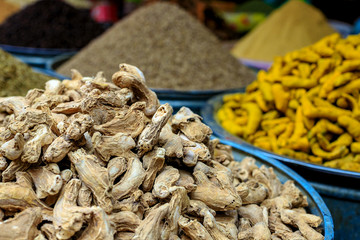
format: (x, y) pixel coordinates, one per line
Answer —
(16, 78)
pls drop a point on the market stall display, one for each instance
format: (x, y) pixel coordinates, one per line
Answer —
(17, 78)
(294, 25)
(49, 24)
(90, 159)
(305, 106)
(174, 50)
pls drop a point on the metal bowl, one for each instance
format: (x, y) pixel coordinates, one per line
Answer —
(208, 113)
(316, 203)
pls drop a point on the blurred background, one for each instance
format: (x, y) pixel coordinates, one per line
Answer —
(228, 19)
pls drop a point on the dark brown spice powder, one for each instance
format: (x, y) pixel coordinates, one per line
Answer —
(49, 24)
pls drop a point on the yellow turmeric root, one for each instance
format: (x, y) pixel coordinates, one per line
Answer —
(338, 151)
(351, 125)
(280, 96)
(306, 106)
(355, 147)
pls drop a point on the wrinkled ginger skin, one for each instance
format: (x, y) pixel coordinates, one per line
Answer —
(14, 196)
(190, 124)
(22, 226)
(13, 148)
(125, 221)
(79, 124)
(46, 182)
(165, 181)
(125, 79)
(130, 181)
(28, 119)
(194, 229)
(179, 202)
(133, 70)
(67, 217)
(58, 149)
(9, 173)
(99, 227)
(150, 135)
(150, 227)
(171, 142)
(303, 223)
(87, 167)
(258, 231)
(41, 136)
(118, 145)
(221, 200)
(85, 196)
(132, 123)
(152, 163)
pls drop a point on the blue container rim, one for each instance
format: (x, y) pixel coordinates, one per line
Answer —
(300, 181)
(36, 51)
(208, 111)
(48, 72)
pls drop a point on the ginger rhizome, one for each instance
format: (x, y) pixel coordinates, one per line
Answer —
(90, 159)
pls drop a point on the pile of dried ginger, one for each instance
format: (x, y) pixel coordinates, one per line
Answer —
(89, 159)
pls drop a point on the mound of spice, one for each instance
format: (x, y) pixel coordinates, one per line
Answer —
(90, 159)
(294, 25)
(49, 24)
(16, 78)
(6, 10)
(174, 50)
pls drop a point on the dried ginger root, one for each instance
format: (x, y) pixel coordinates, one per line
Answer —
(306, 106)
(89, 159)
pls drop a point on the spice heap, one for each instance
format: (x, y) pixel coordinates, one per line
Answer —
(49, 24)
(294, 25)
(207, 12)
(6, 10)
(306, 106)
(16, 78)
(89, 159)
(174, 50)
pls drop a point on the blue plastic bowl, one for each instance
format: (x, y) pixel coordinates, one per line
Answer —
(316, 203)
(208, 113)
